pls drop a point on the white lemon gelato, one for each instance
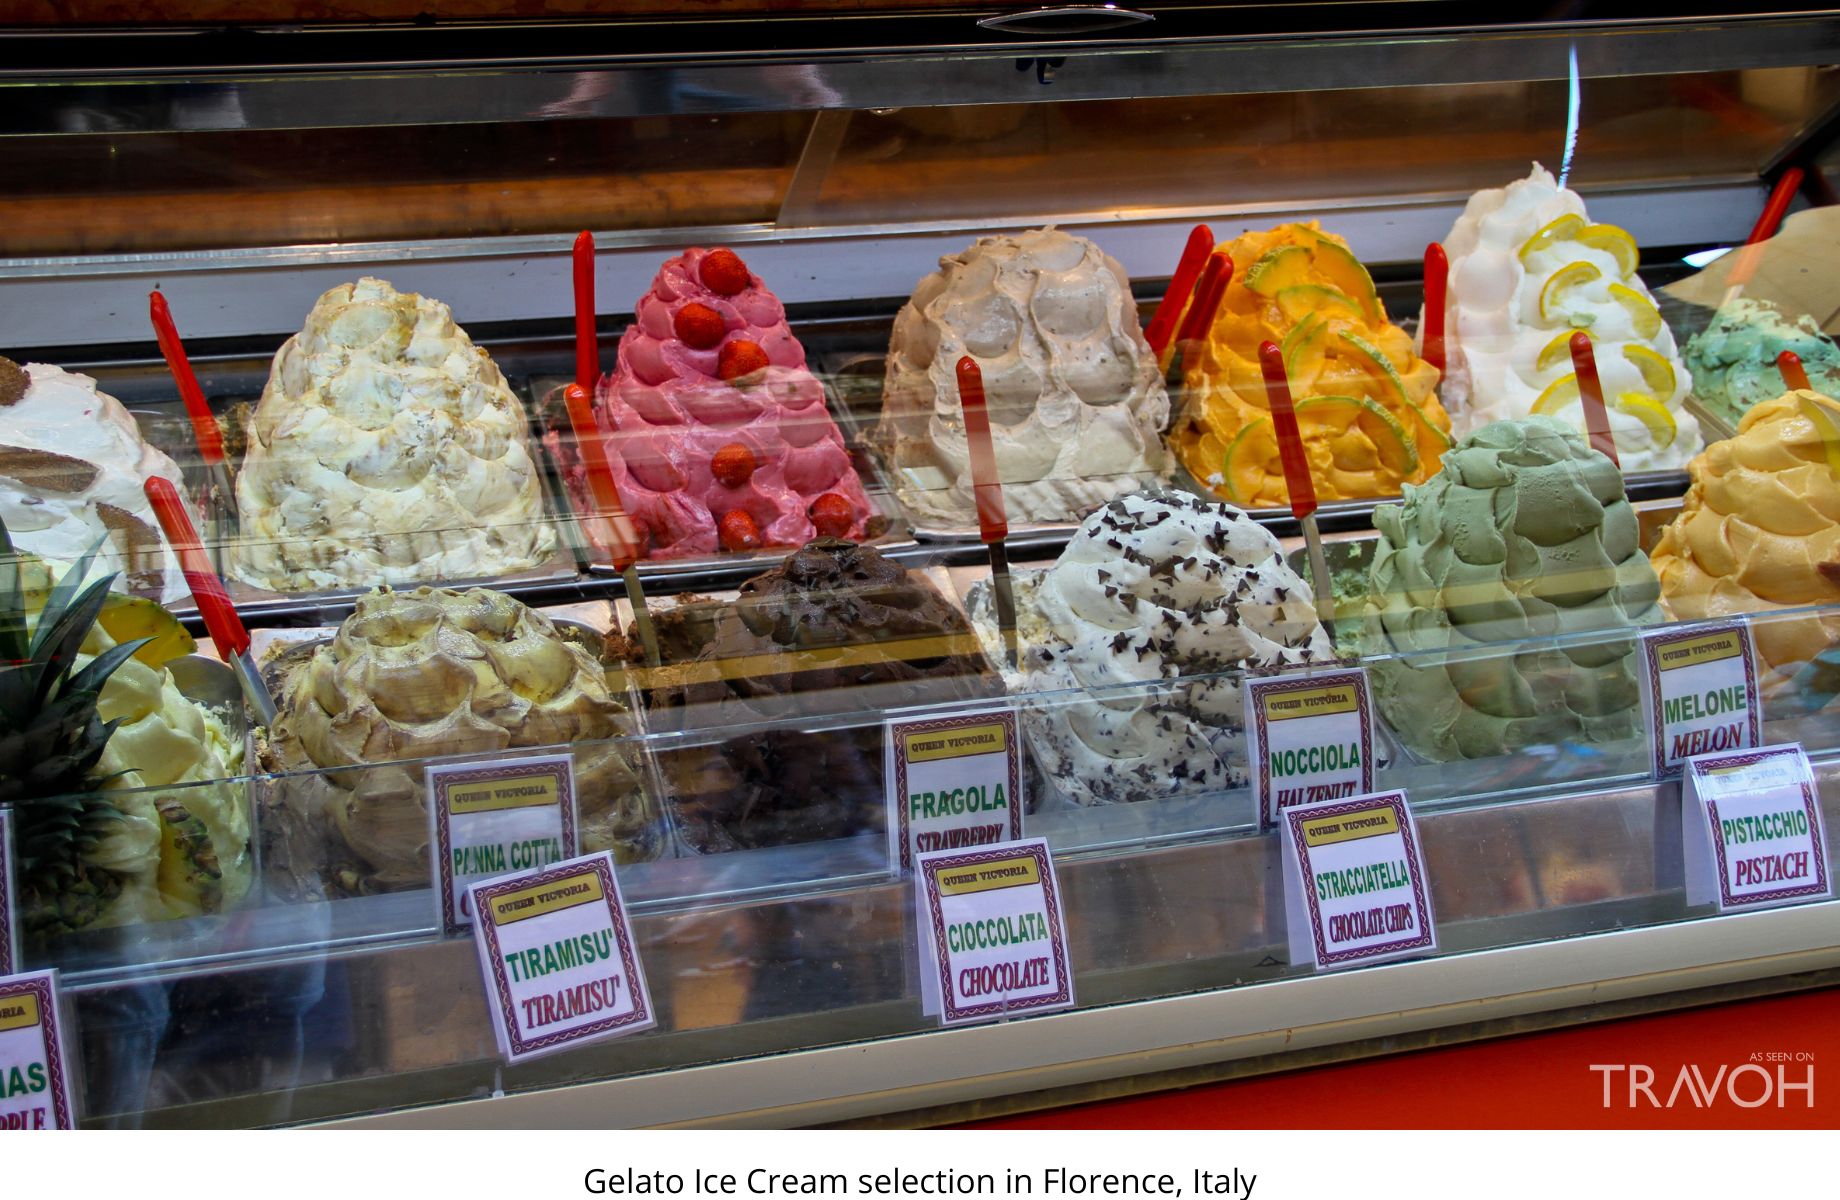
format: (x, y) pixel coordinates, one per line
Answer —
(73, 466)
(1528, 269)
(1077, 405)
(387, 449)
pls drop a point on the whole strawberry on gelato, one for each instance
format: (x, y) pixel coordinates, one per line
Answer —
(720, 438)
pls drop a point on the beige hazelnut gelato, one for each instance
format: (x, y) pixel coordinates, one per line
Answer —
(387, 449)
(1077, 404)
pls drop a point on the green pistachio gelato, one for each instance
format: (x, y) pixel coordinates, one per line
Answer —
(1486, 586)
(1734, 360)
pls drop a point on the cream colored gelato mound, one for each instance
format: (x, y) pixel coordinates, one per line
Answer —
(425, 674)
(73, 468)
(387, 449)
(1077, 405)
(1528, 270)
(1759, 531)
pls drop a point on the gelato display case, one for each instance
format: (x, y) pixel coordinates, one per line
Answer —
(686, 406)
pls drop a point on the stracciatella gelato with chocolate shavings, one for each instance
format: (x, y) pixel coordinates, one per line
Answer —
(1158, 605)
(387, 449)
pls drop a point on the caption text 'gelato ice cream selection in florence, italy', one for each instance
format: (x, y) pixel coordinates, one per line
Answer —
(1054, 493)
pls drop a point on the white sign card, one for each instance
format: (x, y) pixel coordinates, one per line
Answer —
(954, 781)
(993, 937)
(1354, 882)
(497, 818)
(9, 928)
(1752, 830)
(35, 1080)
(558, 956)
(1312, 739)
(1699, 694)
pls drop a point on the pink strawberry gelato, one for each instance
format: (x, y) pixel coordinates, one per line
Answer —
(671, 413)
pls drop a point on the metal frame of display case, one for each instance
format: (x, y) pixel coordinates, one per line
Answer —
(1221, 1004)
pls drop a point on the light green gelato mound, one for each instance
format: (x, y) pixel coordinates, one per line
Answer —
(1734, 360)
(1523, 537)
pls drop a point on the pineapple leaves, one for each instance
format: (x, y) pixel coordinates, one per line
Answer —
(15, 644)
(55, 647)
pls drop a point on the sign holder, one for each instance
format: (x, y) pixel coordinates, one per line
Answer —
(1354, 882)
(1689, 679)
(1753, 836)
(974, 909)
(9, 925)
(500, 802)
(34, 1051)
(1308, 718)
(954, 781)
(546, 941)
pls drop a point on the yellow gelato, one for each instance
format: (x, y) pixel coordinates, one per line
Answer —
(1364, 400)
(1759, 530)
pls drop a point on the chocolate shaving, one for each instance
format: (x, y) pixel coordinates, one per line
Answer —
(13, 382)
(47, 470)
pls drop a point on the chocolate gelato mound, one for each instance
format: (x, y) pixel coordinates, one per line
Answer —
(835, 631)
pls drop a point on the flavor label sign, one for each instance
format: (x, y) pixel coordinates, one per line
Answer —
(34, 1071)
(953, 781)
(1354, 882)
(993, 941)
(1312, 740)
(1752, 830)
(9, 945)
(496, 818)
(1699, 694)
(558, 956)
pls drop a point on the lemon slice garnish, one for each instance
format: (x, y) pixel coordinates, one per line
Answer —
(1642, 310)
(1657, 372)
(1653, 414)
(1566, 278)
(1616, 243)
(1559, 393)
(1563, 229)
(1557, 351)
(1826, 423)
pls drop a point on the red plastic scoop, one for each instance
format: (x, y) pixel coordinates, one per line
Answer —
(993, 522)
(592, 441)
(587, 348)
(205, 432)
(1591, 395)
(1437, 287)
(1181, 284)
(1774, 209)
(1793, 373)
(987, 487)
(220, 616)
(1209, 292)
(1290, 439)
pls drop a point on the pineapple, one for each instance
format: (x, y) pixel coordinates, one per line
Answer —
(89, 727)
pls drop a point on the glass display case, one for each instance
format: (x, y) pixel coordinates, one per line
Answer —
(389, 470)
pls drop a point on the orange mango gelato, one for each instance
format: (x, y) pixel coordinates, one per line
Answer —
(1364, 399)
(1759, 531)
